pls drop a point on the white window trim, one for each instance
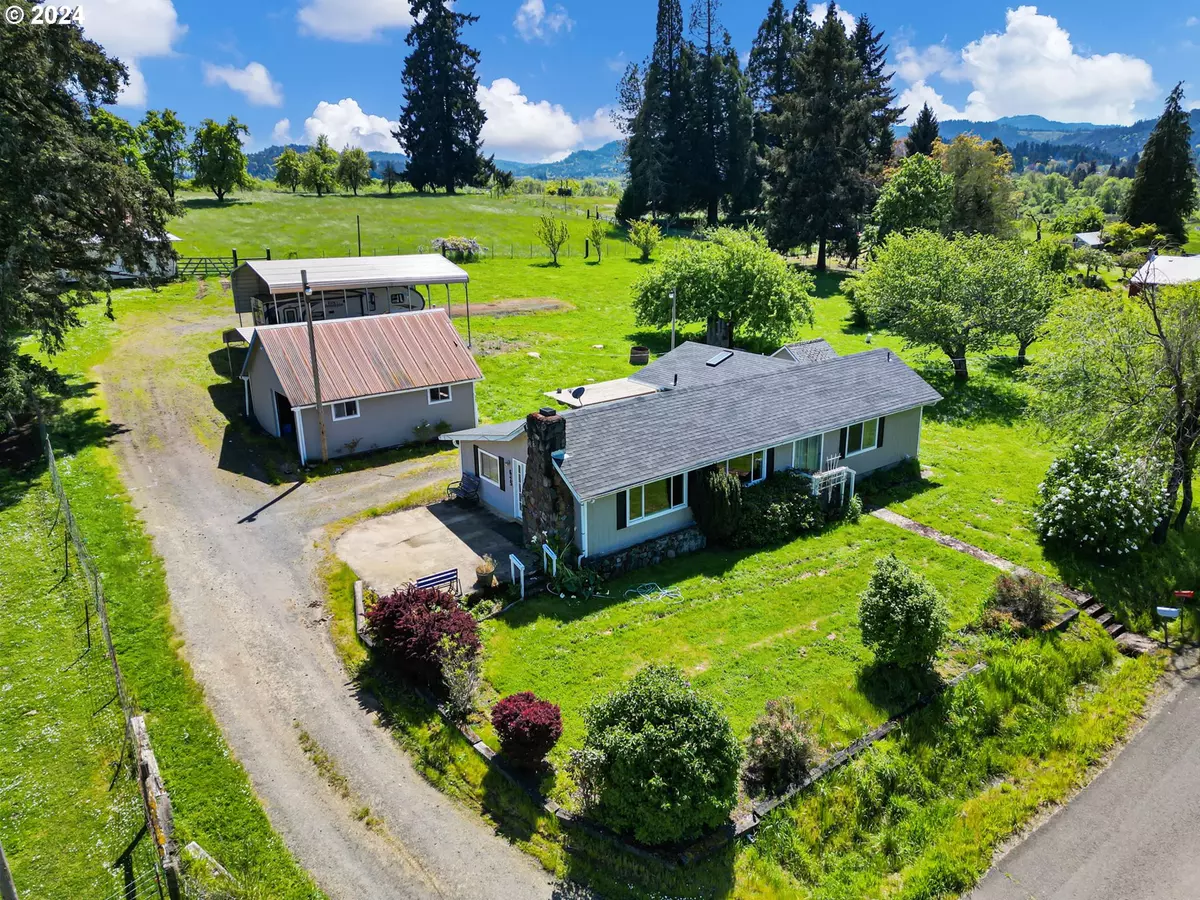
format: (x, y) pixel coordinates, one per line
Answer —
(342, 404)
(764, 464)
(860, 452)
(820, 453)
(429, 394)
(482, 477)
(630, 520)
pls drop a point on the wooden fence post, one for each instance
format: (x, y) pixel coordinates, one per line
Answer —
(157, 804)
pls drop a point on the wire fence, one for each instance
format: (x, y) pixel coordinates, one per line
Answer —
(149, 867)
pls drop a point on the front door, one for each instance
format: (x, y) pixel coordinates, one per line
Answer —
(518, 487)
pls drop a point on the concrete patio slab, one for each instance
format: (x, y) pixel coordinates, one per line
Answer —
(393, 550)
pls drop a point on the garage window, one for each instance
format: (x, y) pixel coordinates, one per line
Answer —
(439, 394)
(346, 410)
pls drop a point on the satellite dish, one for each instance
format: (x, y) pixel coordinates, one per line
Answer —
(577, 393)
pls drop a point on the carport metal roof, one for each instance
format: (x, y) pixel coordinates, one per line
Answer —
(338, 273)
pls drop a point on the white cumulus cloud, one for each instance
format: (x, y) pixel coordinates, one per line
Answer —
(1030, 67)
(253, 82)
(282, 132)
(132, 30)
(521, 129)
(917, 95)
(818, 12)
(534, 22)
(363, 20)
(345, 123)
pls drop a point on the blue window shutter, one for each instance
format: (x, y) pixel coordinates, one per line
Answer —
(475, 449)
(502, 478)
(842, 439)
(622, 511)
(770, 463)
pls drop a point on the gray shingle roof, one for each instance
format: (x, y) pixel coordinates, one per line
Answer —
(806, 352)
(500, 431)
(615, 445)
(690, 362)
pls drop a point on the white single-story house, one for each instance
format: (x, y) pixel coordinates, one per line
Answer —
(1164, 271)
(385, 380)
(614, 474)
(1088, 240)
(272, 290)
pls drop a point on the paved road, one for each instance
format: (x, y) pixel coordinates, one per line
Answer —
(240, 568)
(1132, 834)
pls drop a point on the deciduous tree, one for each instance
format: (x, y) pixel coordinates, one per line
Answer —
(218, 160)
(553, 233)
(440, 124)
(354, 168)
(732, 275)
(983, 193)
(163, 138)
(288, 168)
(318, 167)
(1127, 369)
(70, 201)
(918, 195)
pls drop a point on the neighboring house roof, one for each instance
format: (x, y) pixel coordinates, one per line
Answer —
(500, 431)
(600, 392)
(1168, 270)
(1091, 238)
(613, 446)
(806, 352)
(691, 362)
(334, 273)
(366, 356)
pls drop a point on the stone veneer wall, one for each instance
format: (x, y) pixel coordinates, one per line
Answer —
(648, 553)
(547, 505)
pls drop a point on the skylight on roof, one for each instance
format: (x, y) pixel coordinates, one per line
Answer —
(719, 358)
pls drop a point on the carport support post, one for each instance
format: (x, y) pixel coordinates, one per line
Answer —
(312, 350)
(467, 292)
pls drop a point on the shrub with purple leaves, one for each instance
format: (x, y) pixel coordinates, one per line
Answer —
(1100, 501)
(412, 628)
(528, 727)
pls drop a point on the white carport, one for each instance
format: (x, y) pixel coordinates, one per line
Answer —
(270, 288)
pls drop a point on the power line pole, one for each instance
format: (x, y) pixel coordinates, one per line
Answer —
(312, 351)
(672, 318)
(8, 890)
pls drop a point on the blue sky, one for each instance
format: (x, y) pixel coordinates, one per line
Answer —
(294, 68)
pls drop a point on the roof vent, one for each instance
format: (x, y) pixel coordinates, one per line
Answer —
(719, 358)
(547, 411)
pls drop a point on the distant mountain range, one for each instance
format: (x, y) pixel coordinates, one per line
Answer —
(606, 162)
(1107, 140)
(1116, 141)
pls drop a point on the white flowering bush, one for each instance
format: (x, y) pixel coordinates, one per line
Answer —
(1101, 501)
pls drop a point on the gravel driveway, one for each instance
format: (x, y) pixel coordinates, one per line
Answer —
(247, 604)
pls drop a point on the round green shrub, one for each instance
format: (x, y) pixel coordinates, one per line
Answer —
(902, 617)
(662, 760)
(1100, 501)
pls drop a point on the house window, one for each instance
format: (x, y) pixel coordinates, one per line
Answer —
(656, 498)
(862, 437)
(750, 469)
(439, 394)
(489, 468)
(346, 410)
(806, 454)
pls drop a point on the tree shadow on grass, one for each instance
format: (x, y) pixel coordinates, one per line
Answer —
(984, 398)
(213, 203)
(896, 690)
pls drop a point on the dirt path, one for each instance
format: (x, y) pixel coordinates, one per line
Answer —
(240, 568)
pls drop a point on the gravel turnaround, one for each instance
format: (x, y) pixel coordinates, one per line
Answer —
(240, 565)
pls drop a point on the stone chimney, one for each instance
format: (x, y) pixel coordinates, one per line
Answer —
(547, 505)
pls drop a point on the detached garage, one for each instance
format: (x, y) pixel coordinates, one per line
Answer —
(386, 380)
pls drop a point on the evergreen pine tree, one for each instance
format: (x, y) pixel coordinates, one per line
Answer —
(817, 181)
(1164, 189)
(772, 55)
(923, 134)
(706, 121)
(440, 124)
(880, 96)
(742, 180)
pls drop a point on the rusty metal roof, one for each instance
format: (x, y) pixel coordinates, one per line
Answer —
(335, 273)
(367, 356)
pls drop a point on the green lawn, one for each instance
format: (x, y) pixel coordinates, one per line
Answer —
(750, 627)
